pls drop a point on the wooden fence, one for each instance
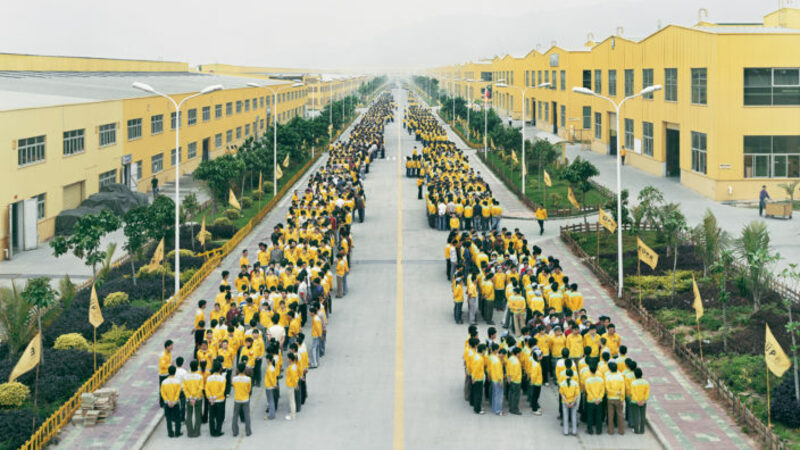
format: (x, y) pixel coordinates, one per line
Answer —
(738, 409)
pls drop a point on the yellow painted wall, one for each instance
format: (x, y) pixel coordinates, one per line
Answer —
(12, 61)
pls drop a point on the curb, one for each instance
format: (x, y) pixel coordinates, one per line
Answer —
(657, 433)
(151, 428)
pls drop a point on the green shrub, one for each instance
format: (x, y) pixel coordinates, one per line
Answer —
(106, 348)
(71, 341)
(185, 253)
(223, 221)
(246, 202)
(116, 298)
(187, 275)
(232, 214)
(741, 372)
(67, 290)
(651, 284)
(117, 335)
(256, 194)
(267, 186)
(13, 394)
(146, 272)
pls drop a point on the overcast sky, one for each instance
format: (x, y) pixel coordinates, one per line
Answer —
(347, 34)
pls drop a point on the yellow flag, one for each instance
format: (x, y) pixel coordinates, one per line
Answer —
(232, 200)
(286, 161)
(571, 197)
(202, 236)
(777, 361)
(607, 221)
(491, 144)
(158, 255)
(95, 315)
(698, 301)
(29, 359)
(646, 254)
(278, 172)
(547, 180)
(514, 157)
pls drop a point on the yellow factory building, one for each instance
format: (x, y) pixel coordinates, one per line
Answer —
(724, 123)
(71, 125)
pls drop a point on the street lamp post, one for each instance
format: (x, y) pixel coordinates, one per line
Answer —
(617, 107)
(274, 93)
(149, 89)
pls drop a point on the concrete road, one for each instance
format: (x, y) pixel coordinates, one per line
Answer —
(392, 376)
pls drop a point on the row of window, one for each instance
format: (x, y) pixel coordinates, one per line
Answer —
(698, 93)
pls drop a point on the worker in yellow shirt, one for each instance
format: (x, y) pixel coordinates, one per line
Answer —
(271, 385)
(292, 381)
(458, 297)
(243, 261)
(615, 394)
(517, 308)
(557, 343)
(640, 393)
(499, 281)
(541, 216)
(556, 299)
(495, 371)
(242, 386)
(613, 340)
(199, 315)
(420, 184)
(342, 268)
(170, 391)
(477, 373)
(193, 391)
(164, 362)
(514, 378)
(570, 394)
(575, 343)
(535, 380)
(595, 391)
(216, 386)
(497, 211)
(316, 337)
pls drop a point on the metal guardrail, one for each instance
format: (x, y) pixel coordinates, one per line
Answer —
(738, 409)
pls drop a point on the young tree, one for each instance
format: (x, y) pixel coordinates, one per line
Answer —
(650, 201)
(754, 250)
(723, 268)
(673, 224)
(578, 174)
(792, 274)
(137, 222)
(40, 296)
(709, 238)
(84, 241)
(16, 320)
(218, 173)
(161, 218)
(611, 206)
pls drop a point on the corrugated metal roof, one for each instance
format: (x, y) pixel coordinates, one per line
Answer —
(20, 89)
(747, 30)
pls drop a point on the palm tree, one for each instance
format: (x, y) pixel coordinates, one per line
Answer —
(40, 296)
(723, 266)
(790, 187)
(17, 324)
(710, 239)
(753, 249)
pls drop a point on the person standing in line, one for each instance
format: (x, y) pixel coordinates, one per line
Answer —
(595, 391)
(477, 369)
(215, 391)
(763, 196)
(516, 307)
(535, 379)
(180, 374)
(640, 394)
(164, 363)
(496, 376)
(241, 397)
(458, 298)
(570, 394)
(448, 249)
(292, 379)
(472, 296)
(541, 216)
(316, 338)
(615, 393)
(271, 386)
(193, 390)
(170, 394)
(514, 378)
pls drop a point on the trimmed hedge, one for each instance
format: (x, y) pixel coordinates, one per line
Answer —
(784, 407)
(13, 394)
(116, 299)
(71, 341)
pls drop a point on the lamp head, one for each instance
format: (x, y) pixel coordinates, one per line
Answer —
(582, 90)
(502, 85)
(212, 88)
(651, 89)
(544, 85)
(298, 85)
(144, 87)
(253, 85)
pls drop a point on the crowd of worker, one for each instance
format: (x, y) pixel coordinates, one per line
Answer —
(456, 196)
(269, 319)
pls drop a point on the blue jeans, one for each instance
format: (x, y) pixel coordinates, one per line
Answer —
(497, 397)
(313, 354)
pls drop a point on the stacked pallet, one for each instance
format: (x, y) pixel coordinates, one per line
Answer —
(96, 407)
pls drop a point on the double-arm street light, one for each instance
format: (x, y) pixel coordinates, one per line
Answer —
(522, 90)
(274, 93)
(617, 107)
(149, 89)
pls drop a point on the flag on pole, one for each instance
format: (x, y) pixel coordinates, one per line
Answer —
(232, 200)
(158, 255)
(202, 236)
(607, 221)
(698, 301)
(514, 157)
(260, 186)
(491, 144)
(95, 315)
(29, 359)
(278, 172)
(646, 254)
(571, 197)
(286, 161)
(777, 361)
(547, 179)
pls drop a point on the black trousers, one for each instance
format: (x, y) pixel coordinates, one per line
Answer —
(536, 390)
(303, 391)
(541, 226)
(173, 415)
(419, 192)
(447, 267)
(303, 314)
(476, 396)
(593, 422)
(217, 418)
(206, 408)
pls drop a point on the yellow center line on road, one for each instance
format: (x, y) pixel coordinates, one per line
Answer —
(399, 375)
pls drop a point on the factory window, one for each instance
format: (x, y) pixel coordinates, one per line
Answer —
(629, 134)
(191, 150)
(546, 112)
(587, 79)
(218, 111)
(598, 81)
(700, 86)
(563, 80)
(157, 163)
(262, 102)
(206, 113)
(107, 178)
(612, 83)
(563, 116)
(647, 138)
(156, 124)
(587, 117)
(671, 85)
(238, 133)
(134, 129)
(247, 104)
(229, 136)
(172, 120)
(108, 134)
(771, 86)
(191, 119)
(598, 125)
(218, 140)
(228, 108)
(30, 150)
(527, 78)
(73, 142)
(172, 156)
(699, 152)
(247, 130)
(41, 206)
(647, 81)
(628, 82)
(772, 156)
(238, 106)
